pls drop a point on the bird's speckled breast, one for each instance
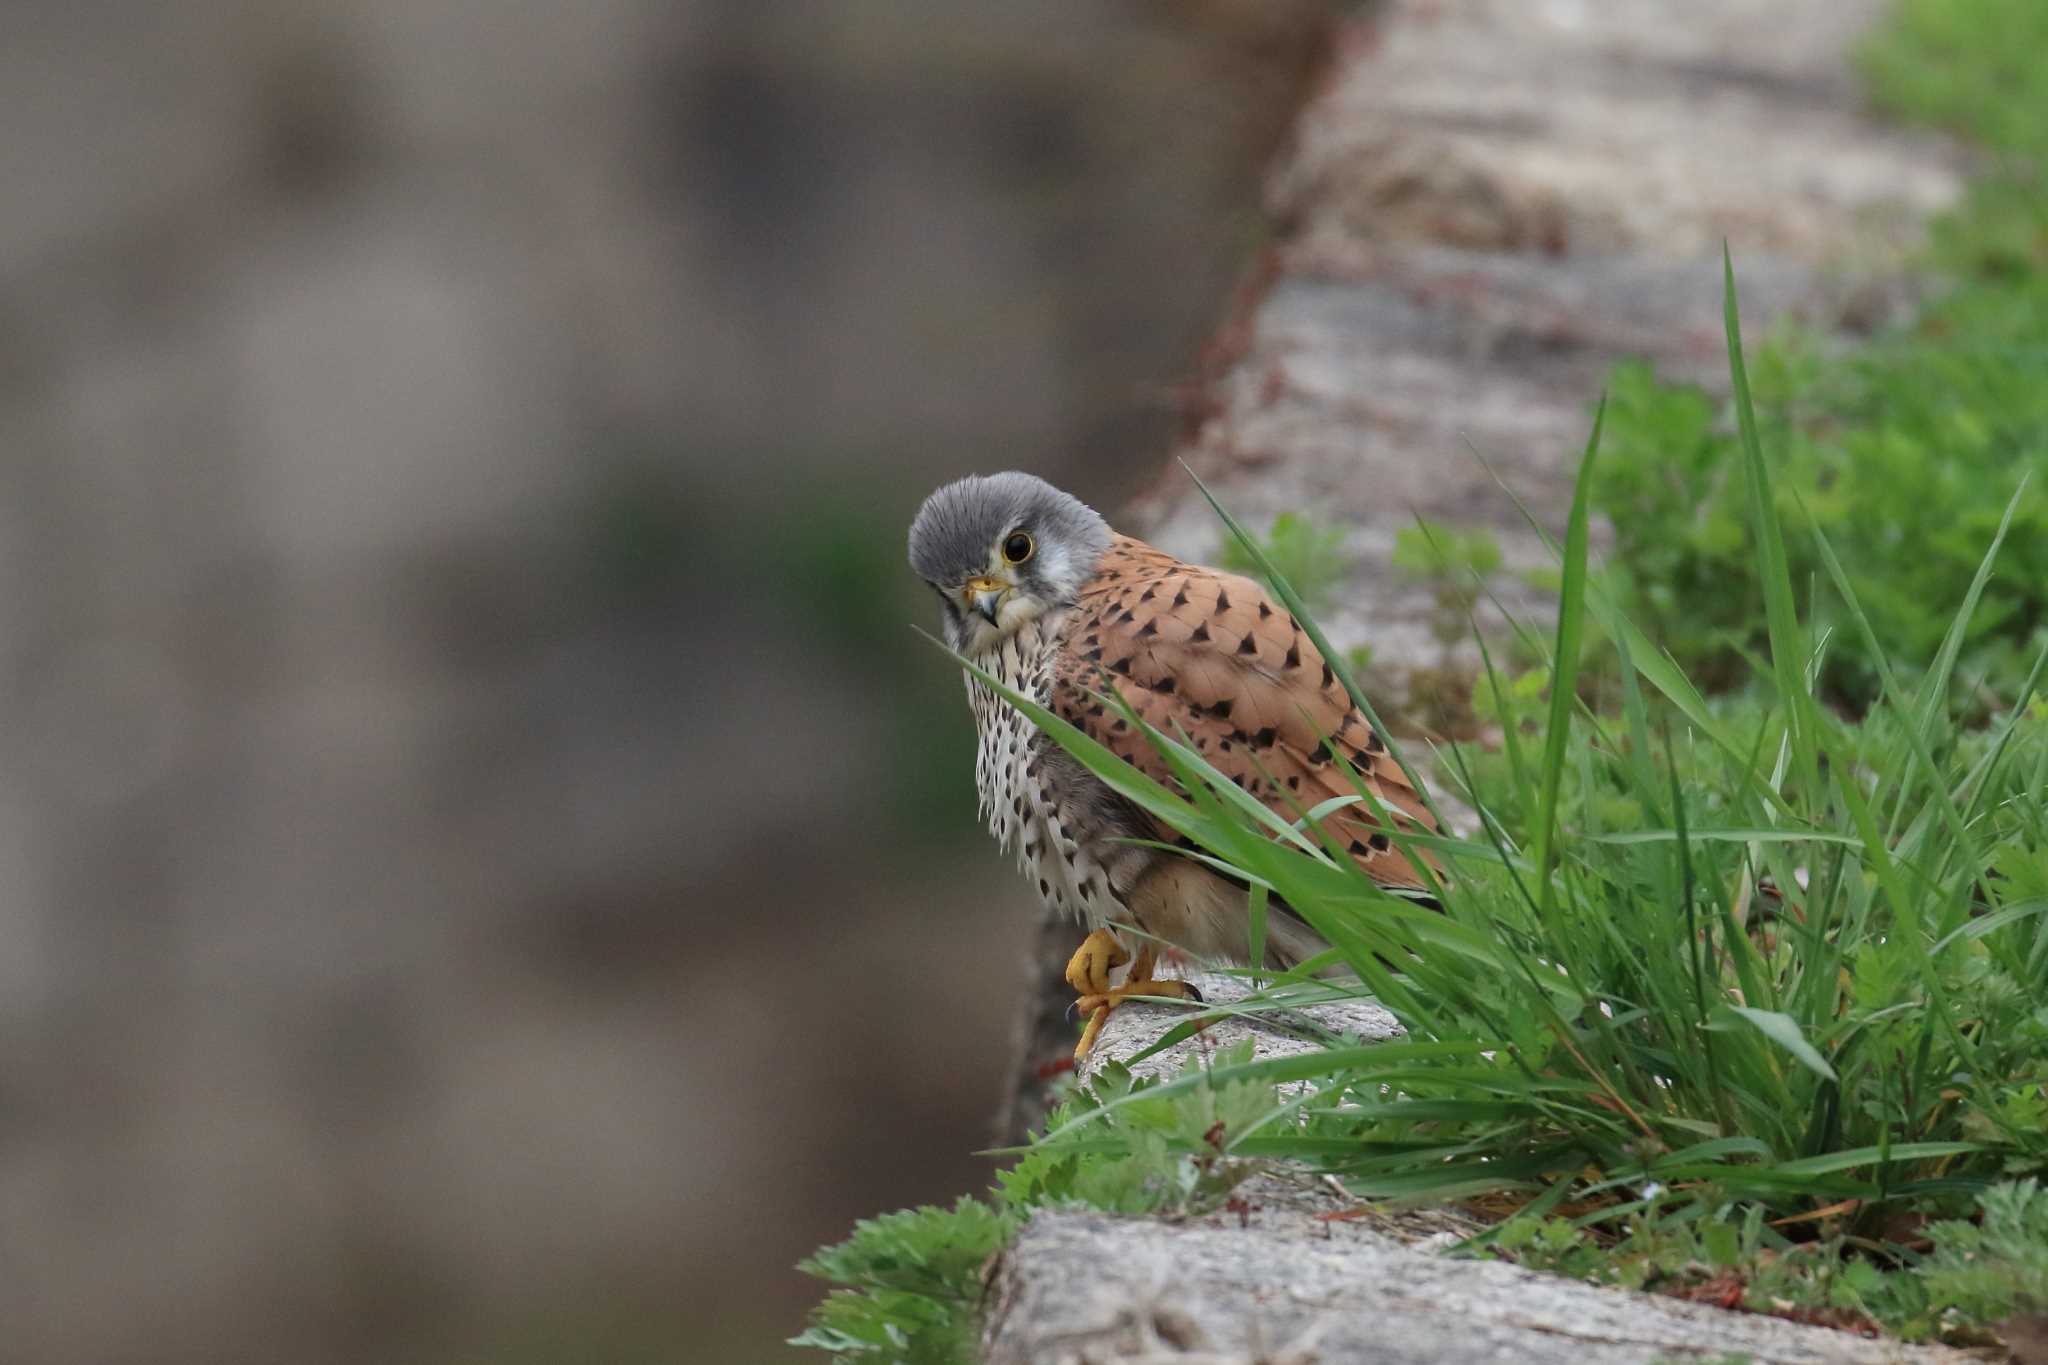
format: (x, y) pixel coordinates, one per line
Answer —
(1010, 775)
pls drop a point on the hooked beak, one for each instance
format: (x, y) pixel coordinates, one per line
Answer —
(985, 595)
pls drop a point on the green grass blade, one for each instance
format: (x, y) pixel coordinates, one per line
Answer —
(1787, 635)
(1784, 1030)
(1571, 624)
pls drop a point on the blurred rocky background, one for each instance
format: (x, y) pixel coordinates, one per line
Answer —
(487, 872)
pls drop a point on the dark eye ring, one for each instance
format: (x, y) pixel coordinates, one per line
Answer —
(1017, 548)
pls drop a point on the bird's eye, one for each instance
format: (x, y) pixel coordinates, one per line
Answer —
(1017, 548)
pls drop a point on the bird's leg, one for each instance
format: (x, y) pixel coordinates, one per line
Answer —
(1088, 973)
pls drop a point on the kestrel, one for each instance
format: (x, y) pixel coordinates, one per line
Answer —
(1039, 591)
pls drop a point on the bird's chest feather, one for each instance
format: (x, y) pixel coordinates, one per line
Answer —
(1006, 767)
(1015, 777)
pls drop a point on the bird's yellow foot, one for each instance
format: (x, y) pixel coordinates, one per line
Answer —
(1088, 972)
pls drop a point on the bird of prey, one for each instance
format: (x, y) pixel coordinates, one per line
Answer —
(1041, 593)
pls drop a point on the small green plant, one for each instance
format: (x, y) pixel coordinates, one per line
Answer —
(1969, 66)
(1990, 1269)
(1649, 1252)
(911, 1283)
(1978, 1271)
(1310, 557)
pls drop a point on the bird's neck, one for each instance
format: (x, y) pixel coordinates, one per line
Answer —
(988, 648)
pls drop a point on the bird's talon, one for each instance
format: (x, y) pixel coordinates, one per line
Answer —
(1091, 1033)
(1097, 998)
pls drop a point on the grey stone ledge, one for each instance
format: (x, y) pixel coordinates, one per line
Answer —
(1090, 1289)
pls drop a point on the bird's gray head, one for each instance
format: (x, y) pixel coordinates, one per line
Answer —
(1002, 550)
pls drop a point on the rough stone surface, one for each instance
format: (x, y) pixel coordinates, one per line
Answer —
(1133, 1028)
(1089, 1289)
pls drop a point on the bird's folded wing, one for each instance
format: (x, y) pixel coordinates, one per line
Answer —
(1211, 656)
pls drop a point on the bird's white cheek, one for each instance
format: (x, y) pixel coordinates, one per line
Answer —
(979, 637)
(1018, 610)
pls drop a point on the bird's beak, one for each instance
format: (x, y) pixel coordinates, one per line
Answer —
(985, 595)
